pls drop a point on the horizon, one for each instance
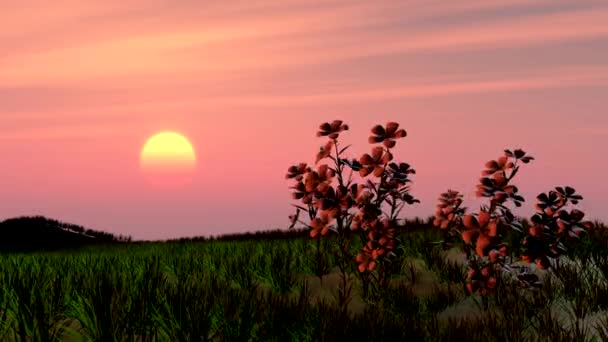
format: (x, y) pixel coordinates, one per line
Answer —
(84, 86)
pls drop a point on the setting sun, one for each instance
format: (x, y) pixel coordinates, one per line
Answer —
(168, 158)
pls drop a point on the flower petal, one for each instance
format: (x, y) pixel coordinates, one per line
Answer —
(469, 235)
(484, 218)
(379, 130)
(390, 143)
(470, 222)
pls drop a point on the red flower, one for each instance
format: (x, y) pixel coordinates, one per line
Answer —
(387, 135)
(448, 209)
(320, 225)
(297, 171)
(324, 151)
(482, 227)
(332, 130)
(491, 283)
(301, 193)
(365, 260)
(375, 162)
(493, 166)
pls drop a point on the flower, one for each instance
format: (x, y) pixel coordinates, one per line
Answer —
(317, 182)
(324, 151)
(375, 162)
(493, 166)
(548, 202)
(297, 171)
(491, 282)
(448, 209)
(481, 278)
(301, 193)
(345, 197)
(519, 154)
(320, 225)
(387, 135)
(332, 130)
(553, 227)
(482, 228)
(399, 175)
(365, 261)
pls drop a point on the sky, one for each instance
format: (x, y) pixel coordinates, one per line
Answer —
(84, 84)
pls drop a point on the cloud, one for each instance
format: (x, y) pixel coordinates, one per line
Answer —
(289, 38)
(100, 104)
(66, 132)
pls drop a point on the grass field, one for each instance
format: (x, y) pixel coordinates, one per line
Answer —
(283, 290)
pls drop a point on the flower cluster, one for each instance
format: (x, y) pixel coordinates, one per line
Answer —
(392, 188)
(496, 177)
(553, 226)
(480, 231)
(344, 206)
(375, 163)
(482, 277)
(381, 241)
(310, 184)
(449, 211)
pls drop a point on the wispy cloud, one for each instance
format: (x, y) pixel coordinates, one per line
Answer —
(331, 32)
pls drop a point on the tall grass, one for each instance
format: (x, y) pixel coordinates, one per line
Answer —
(269, 290)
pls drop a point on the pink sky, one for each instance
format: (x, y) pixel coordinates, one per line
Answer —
(83, 84)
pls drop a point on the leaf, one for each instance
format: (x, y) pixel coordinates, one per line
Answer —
(527, 159)
(518, 227)
(570, 191)
(486, 182)
(519, 153)
(509, 215)
(519, 198)
(344, 149)
(295, 219)
(300, 207)
(542, 197)
(537, 219)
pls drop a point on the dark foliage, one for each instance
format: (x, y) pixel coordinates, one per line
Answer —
(27, 234)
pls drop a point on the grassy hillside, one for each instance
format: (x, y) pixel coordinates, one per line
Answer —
(266, 289)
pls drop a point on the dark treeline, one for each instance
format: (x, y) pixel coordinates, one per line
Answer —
(285, 234)
(24, 234)
(409, 225)
(37, 233)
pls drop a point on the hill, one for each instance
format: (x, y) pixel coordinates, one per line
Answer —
(38, 233)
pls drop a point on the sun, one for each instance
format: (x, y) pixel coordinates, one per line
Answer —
(168, 158)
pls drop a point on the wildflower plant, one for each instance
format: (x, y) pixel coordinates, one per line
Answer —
(480, 233)
(338, 205)
(554, 227)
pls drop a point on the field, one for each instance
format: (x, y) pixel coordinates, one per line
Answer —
(272, 289)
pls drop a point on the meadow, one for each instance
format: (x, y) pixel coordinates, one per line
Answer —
(278, 287)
